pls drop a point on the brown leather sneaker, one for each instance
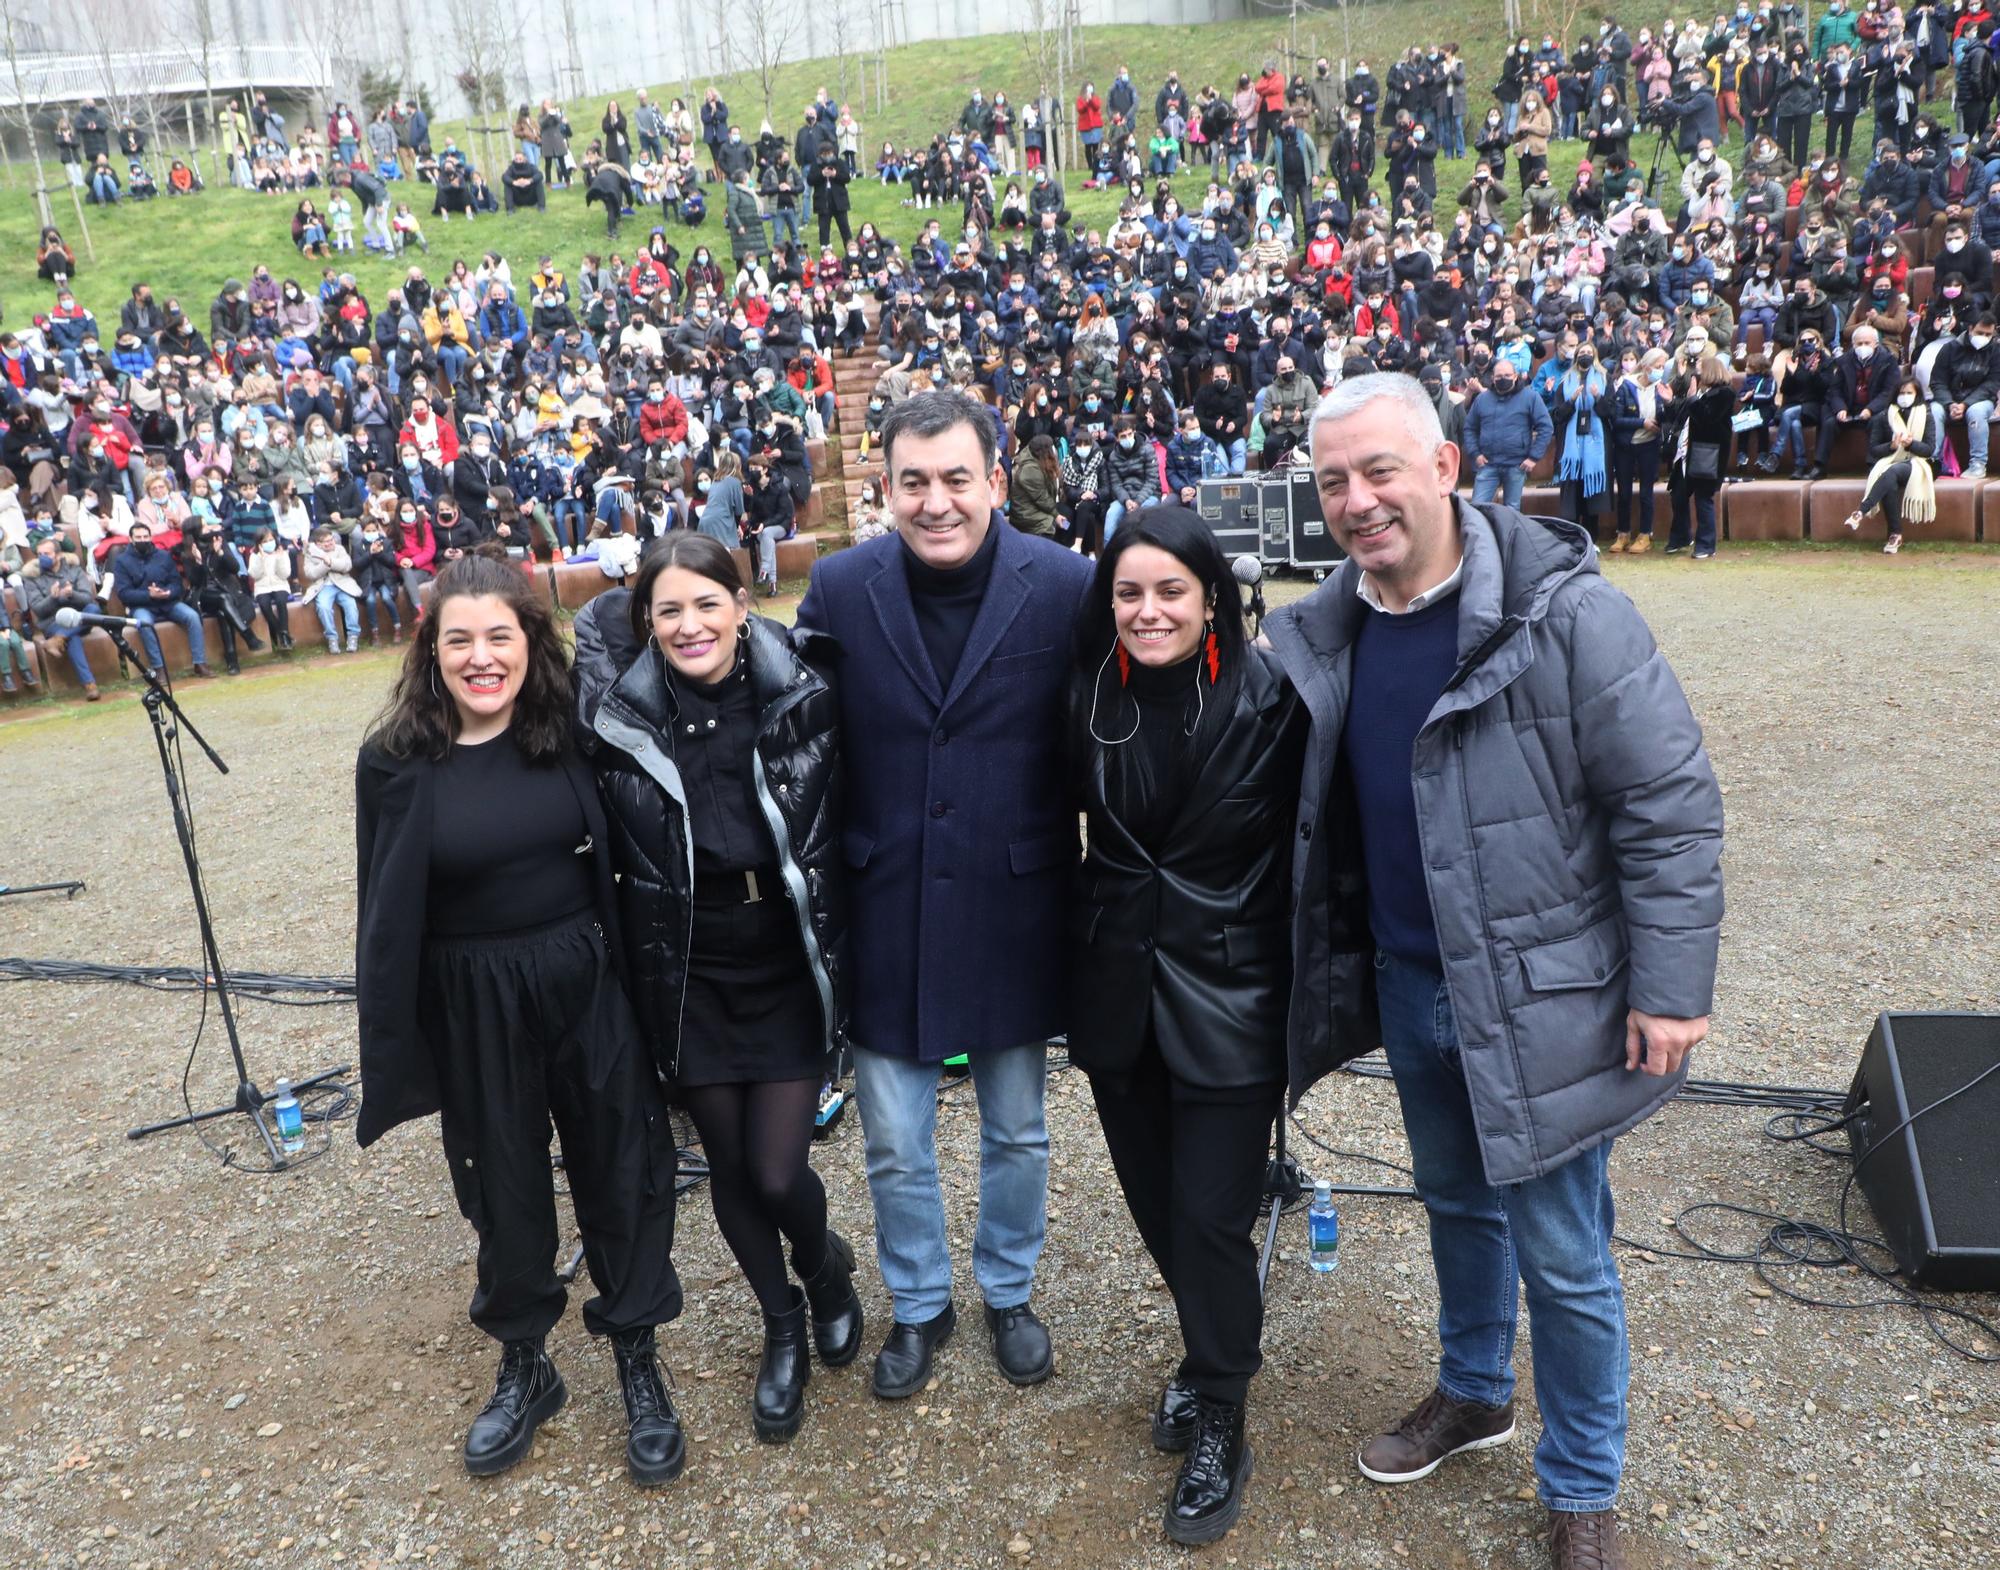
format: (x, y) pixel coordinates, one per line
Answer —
(1585, 1541)
(1439, 1427)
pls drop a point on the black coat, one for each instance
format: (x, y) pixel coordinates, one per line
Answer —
(1192, 945)
(626, 710)
(394, 799)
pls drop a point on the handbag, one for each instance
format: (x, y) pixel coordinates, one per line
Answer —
(238, 605)
(1704, 460)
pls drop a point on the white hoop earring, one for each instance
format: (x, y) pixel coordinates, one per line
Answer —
(1097, 685)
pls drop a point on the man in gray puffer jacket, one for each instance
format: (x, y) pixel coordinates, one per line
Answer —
(1508, 875)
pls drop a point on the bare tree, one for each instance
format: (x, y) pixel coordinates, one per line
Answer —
(767, 29)
(484, 30)
(26, 107)
(326, 33)
(842, 26)
(191, 32)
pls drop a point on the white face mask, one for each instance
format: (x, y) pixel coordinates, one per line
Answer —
(1908, 402)
(1978, 342)
(1862, 351)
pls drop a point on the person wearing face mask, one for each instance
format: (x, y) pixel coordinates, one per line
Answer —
(1507, 430)
(1803, 373)
(1903, 441)
(54, 580)
(149, 585)
(1964, 385)
(372, 557)
(476, 474)
(1864, 380)
(1530, 137)
(1798, 99)
(1707, 186)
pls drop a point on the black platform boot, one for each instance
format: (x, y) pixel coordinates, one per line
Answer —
(780, 1398)
(836, 1310)
(1208, 1494)
(527, 1393)
(655, 1449)
(1174, 1418)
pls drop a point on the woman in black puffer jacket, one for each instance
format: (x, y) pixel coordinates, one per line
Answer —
(715, 749)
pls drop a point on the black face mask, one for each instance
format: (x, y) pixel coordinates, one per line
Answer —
(142, 548)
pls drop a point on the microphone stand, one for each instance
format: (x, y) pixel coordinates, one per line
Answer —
(249, 1100)
(69, 888)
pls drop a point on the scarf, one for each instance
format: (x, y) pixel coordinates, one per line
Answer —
(1919, 494)
(1583, 442)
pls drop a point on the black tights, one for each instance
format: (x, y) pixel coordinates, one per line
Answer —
(757, 1139)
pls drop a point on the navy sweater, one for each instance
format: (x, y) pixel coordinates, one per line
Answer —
(1401, 665)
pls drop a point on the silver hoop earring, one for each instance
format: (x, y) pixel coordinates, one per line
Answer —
(1095, 687)
(436, 692)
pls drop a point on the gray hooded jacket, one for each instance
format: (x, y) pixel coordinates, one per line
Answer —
(1572, 828)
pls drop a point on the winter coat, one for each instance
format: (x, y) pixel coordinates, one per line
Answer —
(959, 835)
(1185, 943)
(1033, 499)
(1507, 431)
(625, 723)
(1581, 878)
(1135, 473)
(395, 804)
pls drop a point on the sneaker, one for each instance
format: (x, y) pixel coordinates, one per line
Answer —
(1439, 1427)
(353, 645)
(1975, 471)
(1676, 550)
(1704, 555)
(1768, 464)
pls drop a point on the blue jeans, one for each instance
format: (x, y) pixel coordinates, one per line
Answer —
(1551, 1235)
(784, 225)
(324, 603)
(184, 616)
(1451, 140)
(1507, 478)
(452, 361)
(572, 523)
(1978, 429)
(1114, 513)
(898, 1098)
(376, 603)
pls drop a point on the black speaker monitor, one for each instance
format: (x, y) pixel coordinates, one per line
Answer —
(1933, 1180)
(1313, 543)
(1233, 512)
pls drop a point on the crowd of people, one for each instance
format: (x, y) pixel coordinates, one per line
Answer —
(1662, 315)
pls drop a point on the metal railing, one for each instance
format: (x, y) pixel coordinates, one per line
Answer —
(55, 79)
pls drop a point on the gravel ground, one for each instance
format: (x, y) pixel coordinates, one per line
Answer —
(205, 1366)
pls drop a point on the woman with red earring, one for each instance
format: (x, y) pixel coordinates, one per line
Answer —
(1186, 746)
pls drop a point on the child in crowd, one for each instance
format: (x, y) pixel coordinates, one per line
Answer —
(340, 220)
(407, 230)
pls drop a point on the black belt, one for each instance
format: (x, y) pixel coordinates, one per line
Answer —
(747, 887)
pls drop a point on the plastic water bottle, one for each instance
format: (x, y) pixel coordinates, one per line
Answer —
(292, 1124)
(1323, 1223)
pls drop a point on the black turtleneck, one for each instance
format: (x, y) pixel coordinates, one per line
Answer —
(1166, 699)
(947, 600)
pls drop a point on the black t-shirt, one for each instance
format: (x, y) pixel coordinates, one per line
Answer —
(510, 847)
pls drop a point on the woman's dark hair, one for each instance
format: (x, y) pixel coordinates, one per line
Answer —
(1179, 532)
(701, 554)
(421, 720)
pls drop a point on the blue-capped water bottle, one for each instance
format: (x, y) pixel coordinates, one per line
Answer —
(1323, 1224)
(289, 1119)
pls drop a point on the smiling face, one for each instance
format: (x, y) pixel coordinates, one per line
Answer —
(483, 659)
(1387, 500)
(697, 623)
(942, 494)
(1157, 606)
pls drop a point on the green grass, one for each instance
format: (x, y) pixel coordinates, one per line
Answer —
(186, 248)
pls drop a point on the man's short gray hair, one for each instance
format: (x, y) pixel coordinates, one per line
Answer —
(1355, 393)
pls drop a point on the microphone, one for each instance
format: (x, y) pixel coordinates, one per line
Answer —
(1247, 570)
(69, 619)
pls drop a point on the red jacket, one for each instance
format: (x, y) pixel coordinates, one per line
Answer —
(1089, 113)
(419, 547)
(1271, 92)
(663, 422)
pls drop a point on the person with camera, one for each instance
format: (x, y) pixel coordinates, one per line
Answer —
(1692, 110)
(1695, 423)
(1186, 746)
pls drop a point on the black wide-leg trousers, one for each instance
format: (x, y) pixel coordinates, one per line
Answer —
(532, 1029)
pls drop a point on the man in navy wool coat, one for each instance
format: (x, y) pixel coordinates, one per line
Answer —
(960, 841)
